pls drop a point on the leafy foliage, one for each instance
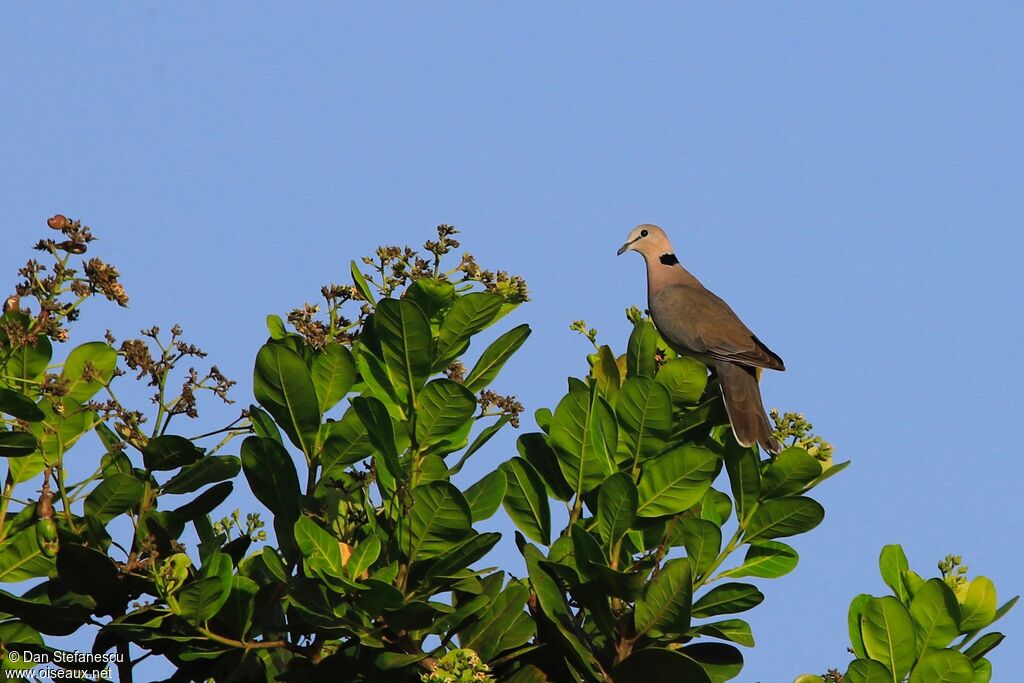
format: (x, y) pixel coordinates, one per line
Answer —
(365, 412)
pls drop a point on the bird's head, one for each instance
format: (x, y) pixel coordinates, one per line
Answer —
(649, 240)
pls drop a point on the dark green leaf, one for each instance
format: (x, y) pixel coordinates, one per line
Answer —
(584, 434)
(645, 417)
(333, 371)
(432, 296)
(89, 572)
(525, 500)
(495, 356)
(205, 502)
(205, 471)
(114, 495)
(282, 384)
(381, 432)
(169, 453)
(734, 630)
(272, 477)
(784, 517)
(406, 344)
(616, 507)
(537, 450)
(677, 480)
(49, 619)
(319, 547)
(263, 425)
(664, 608)
(21, 557)
(481, 439)
(766, 560)
(727, 598)
(486, 495)
(20, 406)
(444, 408)
(470, 314)
(703, 542)
(346, 443)
(720, 661)
(17, 444)
(440, 517)
(744, 470)
(984, 645)
(201, 600)
(360, 283)
(658, 664)
(789, 472)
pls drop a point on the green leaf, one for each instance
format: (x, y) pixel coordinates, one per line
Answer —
(102, 361)
(984, 645)
(205, 502)
(20, 406)
(583, 432)
(440, 517)
(888, 633)
(744, 469)
(405, 343)
(21, 558)
(605, 371)
(381, 432)
(766, 560)
(982, 671)
(17, 444)
(65, 422)
(536, 449)
(853, 622)
(789, 472)
(346, 443)
(486, 495)
(170, 452)
(481, 439)
(784, 517)
(26, 362)
(470, 314)
(727, 598)
(275, 327)
(375, 374)
(49, 619)
(262, 424)
(721, 662)
(502, 625)
(685, 378)
(616, 507)
(867, 671)
(677, 480)
(944, 666)
(658, 664)
(494, 357)
(525, 500)
(664, 608)
(444, 407)
(458, 558)
(199, 601)
(319, 547)
(114, 495)
(205, 471)
(283, 386)
(89, 572)
(645, 417)
(936, 614)
(272, 477)
(640, 350)
(360, 283)
(432, 296)
(893, 563)
(978, 604)
(734, 630)
(363, 556)
(333, 372)
(702, 540)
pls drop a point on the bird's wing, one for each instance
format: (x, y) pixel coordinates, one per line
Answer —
(696, 321)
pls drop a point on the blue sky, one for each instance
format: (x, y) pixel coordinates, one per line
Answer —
(848, 177)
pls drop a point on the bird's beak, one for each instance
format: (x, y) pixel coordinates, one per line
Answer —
(624, 248)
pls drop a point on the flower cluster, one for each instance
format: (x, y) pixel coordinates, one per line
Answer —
(954, 572)
(506, 406)
(795, 427)
(458, 666)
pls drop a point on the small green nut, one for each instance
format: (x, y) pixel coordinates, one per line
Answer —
(46, 530)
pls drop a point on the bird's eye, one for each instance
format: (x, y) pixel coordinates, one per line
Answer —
(643, 233)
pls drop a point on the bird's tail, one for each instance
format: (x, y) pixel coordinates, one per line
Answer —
(743, 403)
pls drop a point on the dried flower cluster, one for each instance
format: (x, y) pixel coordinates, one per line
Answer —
(58, 288)
(505, 405)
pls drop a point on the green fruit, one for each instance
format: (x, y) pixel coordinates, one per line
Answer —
(46, 530)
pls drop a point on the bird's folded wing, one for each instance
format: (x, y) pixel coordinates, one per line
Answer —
(697, 321)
